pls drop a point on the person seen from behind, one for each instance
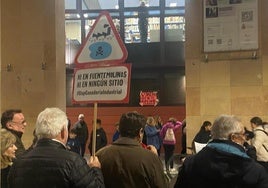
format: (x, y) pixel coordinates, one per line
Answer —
(152, 133)
(204, 135)
(125, 163)
(8, 150)
(101, 138)
(169, 143)
(260, 141)
(73, 143)
(50, 164)
(223, 162)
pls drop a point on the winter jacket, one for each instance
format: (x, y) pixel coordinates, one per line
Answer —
(221, 164)
(51, 165)
(153, 137)
(82, 131)
(125, 164)
(260, 142)
(101, 139)
(4, 173)
(202, 136)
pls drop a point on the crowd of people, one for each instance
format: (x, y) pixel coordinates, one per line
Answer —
(233, 156)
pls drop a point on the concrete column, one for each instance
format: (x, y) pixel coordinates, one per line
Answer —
(32, 57)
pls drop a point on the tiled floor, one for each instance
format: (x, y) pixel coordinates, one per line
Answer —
(172, 176)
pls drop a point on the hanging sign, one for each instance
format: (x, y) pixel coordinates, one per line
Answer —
(109, 84)
(103, 43)
(148, 98)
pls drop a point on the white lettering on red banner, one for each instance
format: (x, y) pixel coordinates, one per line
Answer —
(148, 98)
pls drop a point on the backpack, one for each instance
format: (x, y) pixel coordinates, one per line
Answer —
(169, 136)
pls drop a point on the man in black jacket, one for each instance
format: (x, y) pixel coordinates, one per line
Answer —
(223, 162)
(82, 132)
(49, 163)
(13, 120)
(101, 138)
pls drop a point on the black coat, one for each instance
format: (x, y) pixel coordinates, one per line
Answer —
(221, 164)
(19, 144)
(202, 136)
(101, 139)
(51, 165)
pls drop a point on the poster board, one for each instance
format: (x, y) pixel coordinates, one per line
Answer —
(102, 84)
(230, 25)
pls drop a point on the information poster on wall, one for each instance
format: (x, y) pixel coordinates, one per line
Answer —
(230, 25)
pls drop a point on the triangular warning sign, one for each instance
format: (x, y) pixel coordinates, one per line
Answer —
(103, 43)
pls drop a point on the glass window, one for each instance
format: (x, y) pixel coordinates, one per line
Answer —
(71, 49)
(175, 11)
(130, 13)
(154, 29)
(73, 39)
(175, 3)
(99, 4)
(132, 33)
(70, 4)
(132, 3)
(136, 3)
(153, 3)
(174, 28)
(73, 29)
(154, 12)
(89, 24)
(72, 16)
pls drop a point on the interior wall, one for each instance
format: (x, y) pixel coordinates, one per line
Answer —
(32, 58)
(229, 82)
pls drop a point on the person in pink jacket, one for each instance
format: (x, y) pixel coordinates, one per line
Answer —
(169, 141)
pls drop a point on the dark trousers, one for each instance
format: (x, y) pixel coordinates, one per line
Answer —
(83, 149)
(169, 150)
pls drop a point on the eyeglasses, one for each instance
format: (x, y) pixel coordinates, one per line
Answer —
(19, 123)
(243, 135)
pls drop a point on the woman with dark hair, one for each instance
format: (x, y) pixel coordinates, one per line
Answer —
(204, 135)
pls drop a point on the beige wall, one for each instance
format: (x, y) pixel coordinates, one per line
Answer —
(228, 83)
(32, 34)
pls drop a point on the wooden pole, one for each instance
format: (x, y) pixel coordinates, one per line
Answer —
(94, 130)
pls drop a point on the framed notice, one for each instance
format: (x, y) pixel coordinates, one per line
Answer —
(230, 25)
